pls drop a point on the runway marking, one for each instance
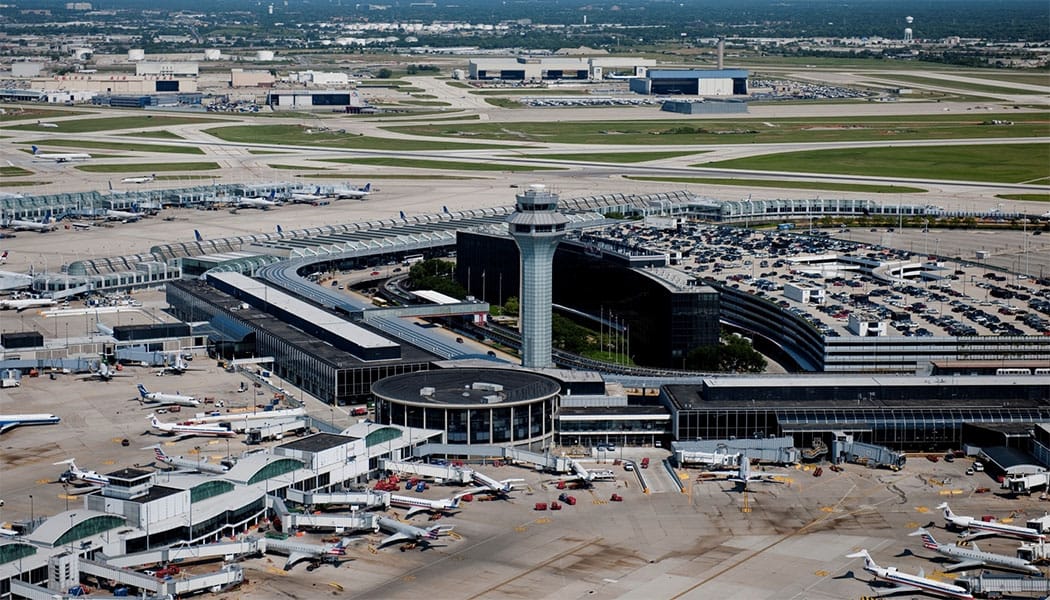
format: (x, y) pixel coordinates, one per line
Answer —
(821, 573)
(535, 568)
(922, 509)
(109, 462)
(42, 481)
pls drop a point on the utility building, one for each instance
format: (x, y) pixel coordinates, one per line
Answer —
(692, 82)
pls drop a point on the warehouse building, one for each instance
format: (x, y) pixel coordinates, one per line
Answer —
(692, 82)
(349, 100)
(533, 68)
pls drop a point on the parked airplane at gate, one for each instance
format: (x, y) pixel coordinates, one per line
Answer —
(143, 179)
(967, 557)
(257, 202)
(492, 486)
(352, 193)
(60, 157)
(43, 226)
(403, 532)
(77, 475)
(178, 368)
(26, 303)
(986, 528)
(417, 505)
(744, 475)
(296, 551)
(303, 197)
(189, 430)
(8, 422)
(104, 373)
(123, 215)
(148, 397)
(180, 462)
(908, 584)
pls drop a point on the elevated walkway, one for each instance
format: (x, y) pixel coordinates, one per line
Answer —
(1006, 585)
(183, 553)
(225, 577)
(446, 473)
(357, 500)
(542, 462)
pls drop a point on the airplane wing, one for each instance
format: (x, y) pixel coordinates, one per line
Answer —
(966, 564)
(397, 537)
(414, 510)
(900, 589)
(976, 535)
(295, 557)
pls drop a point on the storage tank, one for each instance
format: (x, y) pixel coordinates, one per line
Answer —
(264, 55)
(82, 53)
(212, 54)
(136, 54)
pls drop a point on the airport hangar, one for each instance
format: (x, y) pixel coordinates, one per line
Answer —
(535, 68)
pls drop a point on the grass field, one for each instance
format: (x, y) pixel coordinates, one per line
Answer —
(149, 167)
(1000, 163)
(409, 163)
(13, 171)
(791, 185)
(386, 176)
(957, 85)
(24, 183)
(1027, 197)
(86, 144)
(115, 123)
(503, 103)
(24, 114)
(160, 134)
(748, 131)
(296, 136)
(612, 157)
(296, 167)
(529, 92)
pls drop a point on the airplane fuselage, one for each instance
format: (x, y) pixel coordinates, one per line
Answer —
(929, 586)
(11, 421)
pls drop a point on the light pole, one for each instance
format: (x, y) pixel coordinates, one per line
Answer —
(32, 516)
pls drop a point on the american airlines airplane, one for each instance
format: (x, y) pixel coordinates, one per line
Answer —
(26, 303)
(8, 422)
(148, 397)
(297, 551)
(77, 475)
(182, 431)
(908, 584)
(968, 557)
(403, 532)
(180, 462)
(43, 226)
(417, 505)
(60, 157)
(979, 528)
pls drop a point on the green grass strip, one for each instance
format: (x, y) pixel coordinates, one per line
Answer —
(24, 183)
(957, 85)
(793, 185)
(161, 134)
(296, 167)
(1026, 197)
(149, 167)
(114, 123)
(412, 163)
(613, 157)
(295, 135)
(13, 171)
(385, 176)
(25, 114)
(1000, 163)
(43, 144)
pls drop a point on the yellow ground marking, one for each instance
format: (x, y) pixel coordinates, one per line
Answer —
(116, 440)
(821, 573)
(109, 462)
(921, 509)
(543, 520)
(521, 529)
(42, 481)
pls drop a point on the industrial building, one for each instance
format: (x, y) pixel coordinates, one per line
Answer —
(692, 82)
(349, 100)
(530, 68)
(115, 84)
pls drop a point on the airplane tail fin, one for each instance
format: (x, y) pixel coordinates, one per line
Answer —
(197, 235)
(928, 541)
(317, 191)
(433, 532)
(159, 453)
(35, 150)
(455, 502)
(402, 215)
(279, 230)
(948, 514)
(47, 218)
(445, 210)
(68, 461)
(367, 188)
(868, 562)
(142, 390)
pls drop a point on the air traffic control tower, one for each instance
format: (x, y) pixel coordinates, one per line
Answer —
(536, 227)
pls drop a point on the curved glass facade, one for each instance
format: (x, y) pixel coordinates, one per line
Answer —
(382, 436)
(89, 527)
(13, 552)
(210, 490)
(275, 468)
(520, 423)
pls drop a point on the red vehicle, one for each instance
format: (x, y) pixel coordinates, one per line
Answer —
(170, 570)
(570, 500)
(645, 462)
(932, 457)
(555, 506)
(616, 498)
(561, 485)
(541, 506)
(818, 472)
(357, 412)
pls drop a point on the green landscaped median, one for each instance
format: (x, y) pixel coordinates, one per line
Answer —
(160, 134)
(12, 171)
(149, 167)
(84, 144)
(113, 123)
(410, 163)
(385, 176)
(903, 129)
(295, 135)
(1026, 197)
(792, 185)
(998, 163)
(612, 157)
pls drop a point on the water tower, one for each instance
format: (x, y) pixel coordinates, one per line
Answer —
(907, 30)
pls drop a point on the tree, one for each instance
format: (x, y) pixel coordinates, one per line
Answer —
(435, 274)
(384, 73)
(733, 354)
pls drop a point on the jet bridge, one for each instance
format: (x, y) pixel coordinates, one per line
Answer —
(446, 473)
(337, 521)
(358, 500)
(183, 553)
(227, 576)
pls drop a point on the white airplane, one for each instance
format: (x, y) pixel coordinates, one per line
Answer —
(143, 179)
(257, 202)
(123, 215)
(60, 157)
(490, 485)
(178, 368)
(77, 475)
(8, 422)
(48, 125)
(403, 532)
(296, 551)
(148, 397)
(26, 303)
(104, 373)
(3, 257)
(303, 197)
(189, 430)
(986, 528)
(909, 583)
(181, 462)
(744, 475)
(43, 226)
(973, 557)
(82, 225)
(417, 505)
(353, 193)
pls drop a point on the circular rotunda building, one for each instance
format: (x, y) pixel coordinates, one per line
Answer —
(472, 406)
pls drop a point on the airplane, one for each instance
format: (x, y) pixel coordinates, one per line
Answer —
(26, 303)
(3, 257)
(416, 505)
(178, 368)
(197, 236)
(297, 551)
(60, 157)
(48, 125)
(986, 528)
(490, 485)
(104, 373)
(77, 475)
(123, 215)
(744, 475)
(8, 422)
(43, 226)
(180, 462)
(972, 556)
(189, 430)
(909, 583)
(82, 225)
(148, 397)
(257, 202)
(352, 193)
(143, 179)
(403, 532)
(302, 197)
